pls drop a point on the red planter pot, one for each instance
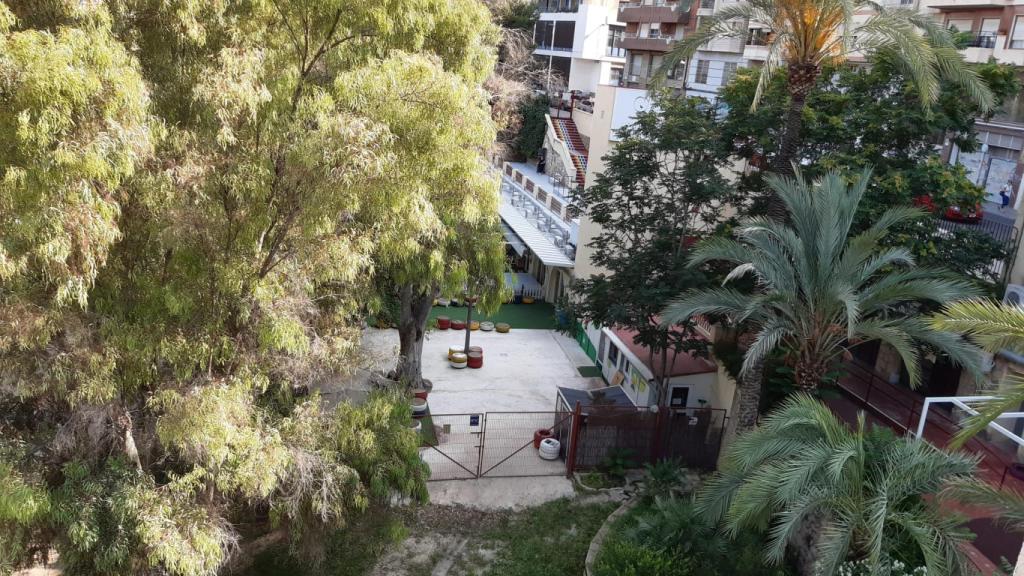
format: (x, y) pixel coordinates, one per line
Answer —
(443, 322)
(458, 324)
(540, 435)
(475, 360)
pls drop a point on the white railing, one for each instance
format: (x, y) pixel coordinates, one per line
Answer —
(963, 403)
(560, 148)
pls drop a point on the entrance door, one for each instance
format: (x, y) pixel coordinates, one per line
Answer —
(679, 396)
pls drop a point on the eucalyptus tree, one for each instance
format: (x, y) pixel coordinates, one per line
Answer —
(819, 290)
(865, 490)
(806, 36)
(194, 200)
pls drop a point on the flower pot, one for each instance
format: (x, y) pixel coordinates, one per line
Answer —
(444, 322)
(419, 407)
(454, 350)
(549, 449)
(487, 326)
(416, 425)
(528, 300)
(502, 328)
(458, 324)
(475, 360)
(539, 436)
(420, 393)
(474, 325)
(458, 360)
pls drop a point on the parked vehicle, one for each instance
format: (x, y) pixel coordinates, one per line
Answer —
(953, 213)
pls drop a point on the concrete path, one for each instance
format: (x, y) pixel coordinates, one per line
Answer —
(500, 493)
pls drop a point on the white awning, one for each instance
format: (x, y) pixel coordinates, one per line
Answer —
(548, 253)
(513, 239)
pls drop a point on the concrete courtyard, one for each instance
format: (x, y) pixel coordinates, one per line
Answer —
(521, 373)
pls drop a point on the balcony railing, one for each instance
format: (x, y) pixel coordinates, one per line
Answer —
(707, 4)
(615, 52)
(649, 36)
(548, 46)
(982, 41)
(652, 3)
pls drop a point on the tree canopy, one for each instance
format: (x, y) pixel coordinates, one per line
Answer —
(195, 201)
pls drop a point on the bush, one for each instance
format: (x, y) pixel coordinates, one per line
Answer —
(531, 132)
(630, 559)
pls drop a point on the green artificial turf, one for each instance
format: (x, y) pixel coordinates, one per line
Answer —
(536, 316)
(589, 371)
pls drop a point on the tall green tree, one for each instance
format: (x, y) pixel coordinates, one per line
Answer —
(820, 289)
(858, 117)
(195, 198)
(660, 192)
(864, 491)
(808, 36)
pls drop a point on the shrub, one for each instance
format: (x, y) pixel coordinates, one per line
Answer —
(626, 558)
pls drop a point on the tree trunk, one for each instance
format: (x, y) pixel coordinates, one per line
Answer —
(802, 78)
(414, 305)
(745, 403)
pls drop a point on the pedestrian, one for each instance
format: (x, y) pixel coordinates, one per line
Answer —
(1004, 197)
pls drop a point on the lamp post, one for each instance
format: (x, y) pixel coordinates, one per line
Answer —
(470, 300)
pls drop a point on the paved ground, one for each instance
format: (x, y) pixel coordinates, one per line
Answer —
(500, 493)
(522, 369)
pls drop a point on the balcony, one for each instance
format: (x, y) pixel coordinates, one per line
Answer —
(650, 11)
(655, 42)
(551, 48)
(730, 44)
(616, 51)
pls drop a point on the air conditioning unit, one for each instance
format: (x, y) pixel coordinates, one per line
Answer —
(1014, 295)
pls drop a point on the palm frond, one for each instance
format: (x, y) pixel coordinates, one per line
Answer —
(992, 325)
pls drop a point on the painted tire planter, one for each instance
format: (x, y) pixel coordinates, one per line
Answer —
(420, 393)
(487, 326)
(416, 425)
(444, 322)
(528, 300)
(458, 360)
(475, 360)
(443, 301)
(419, 407)
(454, 350)
(474, 325)
(549, 449)
(502, 328)
(458, 324)
(539, 437)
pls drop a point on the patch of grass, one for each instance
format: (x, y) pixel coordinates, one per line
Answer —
(600, 480)
(589, 371)
(549, 540)
(351, 552)
(536, 316)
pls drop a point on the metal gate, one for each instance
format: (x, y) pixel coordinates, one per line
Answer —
(492, 444)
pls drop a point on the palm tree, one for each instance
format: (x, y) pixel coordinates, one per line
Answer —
(820, 290)
(994, 327)
(808, 35)
(859, 491)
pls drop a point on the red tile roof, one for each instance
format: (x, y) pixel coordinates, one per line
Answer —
(684, 365)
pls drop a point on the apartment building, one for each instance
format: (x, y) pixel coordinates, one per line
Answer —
(578, 41)
(996, 30)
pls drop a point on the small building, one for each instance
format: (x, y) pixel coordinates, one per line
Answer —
(692, 380)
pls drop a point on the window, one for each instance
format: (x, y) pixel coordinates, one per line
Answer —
(701, 74)
(625, 366)
(728, 71)
(1017, 40)
(959, 25)
(989, 26)
(614, 40)
(655, 30)
(616, 76)
(636, 67)
(757, 37)
(613, 355)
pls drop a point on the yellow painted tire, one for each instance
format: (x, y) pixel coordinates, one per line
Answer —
(528, 300)
(502, 327)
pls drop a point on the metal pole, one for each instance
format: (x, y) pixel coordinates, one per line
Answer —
(570, 456)
(469, 318)
(924, 417)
